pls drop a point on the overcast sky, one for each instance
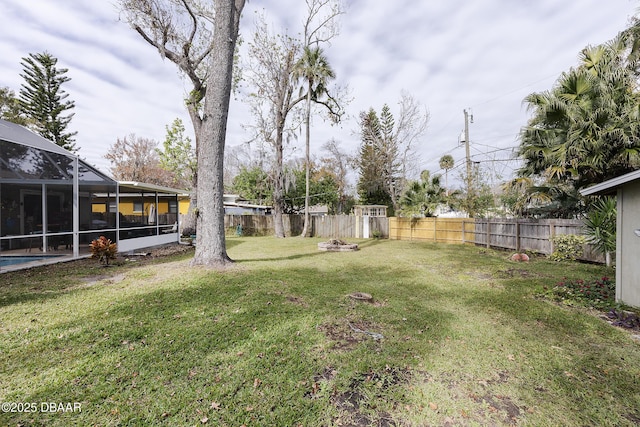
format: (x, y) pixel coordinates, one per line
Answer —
(450, 55)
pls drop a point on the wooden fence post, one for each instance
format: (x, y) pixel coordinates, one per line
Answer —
(517, 235)
(411, 230)
(435, 229)
(488, 233)
(464, 240)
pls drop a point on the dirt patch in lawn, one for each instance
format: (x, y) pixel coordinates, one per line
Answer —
(510, 273)
(297, 300)
(357, 404)
(93, 280)
(353, 404)
(345, 335)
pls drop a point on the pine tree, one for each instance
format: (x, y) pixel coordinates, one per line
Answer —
(43, 100)
(389, 154)
(372, 181)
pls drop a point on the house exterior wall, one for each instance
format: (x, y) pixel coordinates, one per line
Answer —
(628, 254)
(183, 206)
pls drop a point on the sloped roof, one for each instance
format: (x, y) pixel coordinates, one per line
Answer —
(610, 186)
(141, 186)
(17, 134)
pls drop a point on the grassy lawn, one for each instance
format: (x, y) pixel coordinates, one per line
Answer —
(276, 341)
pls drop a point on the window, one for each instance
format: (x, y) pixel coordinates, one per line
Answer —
(173, 206)
(137, 206)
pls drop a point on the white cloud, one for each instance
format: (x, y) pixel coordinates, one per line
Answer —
(486, 54)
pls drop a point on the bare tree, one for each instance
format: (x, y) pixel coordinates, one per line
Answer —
(337, 162)
(136, 159)
(411, 126)
(236, 158)
(273, 72)
(272, 60)
(201, 42)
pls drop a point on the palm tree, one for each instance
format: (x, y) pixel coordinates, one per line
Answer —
(421, 198)
(313, 67)
(446, 163)
(586, 128)
(600, 226)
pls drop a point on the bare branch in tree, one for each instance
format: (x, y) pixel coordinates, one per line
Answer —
(134, 158)
(411, 126)
(318, 28)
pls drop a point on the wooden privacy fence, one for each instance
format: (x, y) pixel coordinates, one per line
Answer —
(515, 234)
(445, 230)
(349, 226)
(518, 235)
(329, 226)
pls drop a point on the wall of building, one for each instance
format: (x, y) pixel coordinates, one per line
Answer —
(628, 267)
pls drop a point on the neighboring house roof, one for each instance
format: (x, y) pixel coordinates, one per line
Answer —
(319, 210)
(610, 186)
(17, 134)
(152, 187)
(246, 205)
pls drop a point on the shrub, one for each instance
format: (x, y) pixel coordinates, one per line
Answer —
(567, 247)
(103, 249)
(188, 232)
(600, 226)
(598, 293)
(624, 319)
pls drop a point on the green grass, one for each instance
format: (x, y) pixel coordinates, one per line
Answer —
(270, 342)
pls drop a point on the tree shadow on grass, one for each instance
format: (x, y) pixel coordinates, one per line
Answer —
(570, 349)
(239, 342)
(366, 244)
(52, 281)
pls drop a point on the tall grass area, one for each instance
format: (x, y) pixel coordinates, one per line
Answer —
(277, 341)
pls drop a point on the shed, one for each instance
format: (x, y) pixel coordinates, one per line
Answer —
(627, 190)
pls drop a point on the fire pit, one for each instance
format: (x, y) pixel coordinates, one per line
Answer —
(337, 245)
(361, 296)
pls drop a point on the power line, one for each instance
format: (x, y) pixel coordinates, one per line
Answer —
(516, 90)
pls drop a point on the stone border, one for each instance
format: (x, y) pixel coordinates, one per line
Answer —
(333, 246)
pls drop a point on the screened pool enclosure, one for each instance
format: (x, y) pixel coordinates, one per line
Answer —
(52, 202)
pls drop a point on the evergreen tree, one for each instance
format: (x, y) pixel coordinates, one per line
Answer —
(253, 184)
(389, 155)
(178, 156)
(10, 107)
(43, 100)
(381, 179)
(372, 188)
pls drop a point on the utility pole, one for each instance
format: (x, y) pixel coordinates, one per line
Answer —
(466, 147)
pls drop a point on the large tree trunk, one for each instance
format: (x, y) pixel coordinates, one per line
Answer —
(278, 189)
(210, 241)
